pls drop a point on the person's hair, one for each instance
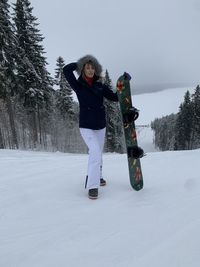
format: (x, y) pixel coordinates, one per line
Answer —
(91, 60)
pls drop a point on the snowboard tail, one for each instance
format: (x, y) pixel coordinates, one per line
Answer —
(129, 115)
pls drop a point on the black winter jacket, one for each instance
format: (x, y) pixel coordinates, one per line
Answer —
(92, 110)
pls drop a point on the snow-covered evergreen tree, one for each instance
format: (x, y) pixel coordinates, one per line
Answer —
(7, 52)
(34, 81)
(66, 131)
(114, 133)
(184, 124)
(64, 93)
(7, 66)
(196, 117)
(33, 76)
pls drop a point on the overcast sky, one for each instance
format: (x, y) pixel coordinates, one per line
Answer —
(154, 40)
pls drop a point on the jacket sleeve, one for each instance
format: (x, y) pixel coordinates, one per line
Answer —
(109, 94)
(69, 75)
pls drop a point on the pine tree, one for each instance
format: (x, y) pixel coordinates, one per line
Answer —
(196, 117)
(114, 133)
(184, 124)
(33, 76)
(34, 81)
(7, 65)
(7, 51)
(64, 93)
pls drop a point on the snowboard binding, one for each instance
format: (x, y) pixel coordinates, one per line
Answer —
(135, 152)
(131, 115)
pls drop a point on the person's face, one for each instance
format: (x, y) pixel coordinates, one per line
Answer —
(89, 70)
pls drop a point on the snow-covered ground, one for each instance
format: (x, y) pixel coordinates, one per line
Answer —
(46, 219)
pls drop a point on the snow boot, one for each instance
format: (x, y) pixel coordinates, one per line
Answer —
(93, 193)
(102, 182)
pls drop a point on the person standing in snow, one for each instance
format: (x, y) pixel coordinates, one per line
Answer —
(92, 120)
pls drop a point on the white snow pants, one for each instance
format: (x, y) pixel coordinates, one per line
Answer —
(94, 140)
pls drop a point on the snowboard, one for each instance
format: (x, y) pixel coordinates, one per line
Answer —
(125, 101)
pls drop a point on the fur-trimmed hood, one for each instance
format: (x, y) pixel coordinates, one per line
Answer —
(89, 58)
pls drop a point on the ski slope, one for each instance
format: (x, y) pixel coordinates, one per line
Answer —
(46, 218)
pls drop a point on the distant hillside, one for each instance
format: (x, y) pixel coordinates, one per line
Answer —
(155, 105)
(149, 88)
